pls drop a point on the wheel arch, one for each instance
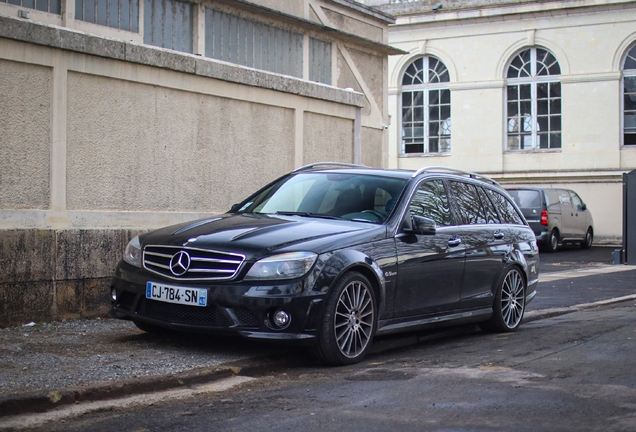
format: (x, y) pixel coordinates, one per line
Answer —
(352, 260)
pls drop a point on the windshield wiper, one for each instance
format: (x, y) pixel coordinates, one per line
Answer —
(306, 214)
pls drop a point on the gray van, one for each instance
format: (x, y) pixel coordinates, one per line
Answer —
(556, 216)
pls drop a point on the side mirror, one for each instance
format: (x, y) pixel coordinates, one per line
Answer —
(234, 208)
(583, 206)
(422, 225)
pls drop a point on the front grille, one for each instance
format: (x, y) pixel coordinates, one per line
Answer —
(196, 264)
(182, 314)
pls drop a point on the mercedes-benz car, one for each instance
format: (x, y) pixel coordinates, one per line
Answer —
(331, 255)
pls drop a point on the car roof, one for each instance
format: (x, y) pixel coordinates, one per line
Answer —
(334, 167)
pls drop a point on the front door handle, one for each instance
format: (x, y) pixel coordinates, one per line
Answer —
(498, 235)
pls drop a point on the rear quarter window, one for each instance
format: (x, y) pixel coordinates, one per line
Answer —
(507, 211)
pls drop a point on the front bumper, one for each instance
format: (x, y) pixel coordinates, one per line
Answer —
(239, 308)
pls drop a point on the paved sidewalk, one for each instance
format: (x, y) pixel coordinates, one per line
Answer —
(44, 366)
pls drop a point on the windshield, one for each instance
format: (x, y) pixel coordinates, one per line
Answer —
(360, 197)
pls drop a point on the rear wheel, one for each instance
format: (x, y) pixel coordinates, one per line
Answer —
(348, 323)
(553, 242)
(510, 303)
(589, 238)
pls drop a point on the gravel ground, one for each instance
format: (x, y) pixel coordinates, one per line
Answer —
(58, 355)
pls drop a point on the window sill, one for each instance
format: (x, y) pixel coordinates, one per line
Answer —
(420, 155)
(533, 151)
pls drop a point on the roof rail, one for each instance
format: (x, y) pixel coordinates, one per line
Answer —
(333, 164)
(455, 171)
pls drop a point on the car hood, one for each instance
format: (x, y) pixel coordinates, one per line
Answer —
(256, 235)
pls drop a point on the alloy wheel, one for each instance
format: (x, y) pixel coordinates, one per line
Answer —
(512, 299)
(354, 318)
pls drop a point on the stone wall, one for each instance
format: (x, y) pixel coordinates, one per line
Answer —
(103, 137)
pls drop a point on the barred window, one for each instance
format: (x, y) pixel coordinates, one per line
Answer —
(169, 24)
(319, 61)
(262, 46)
(51, 6)
(426, 109)
(119, 14)
(629, 98)
(533, 101)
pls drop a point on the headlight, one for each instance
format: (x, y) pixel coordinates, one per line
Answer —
(284, 266)
(132, 255)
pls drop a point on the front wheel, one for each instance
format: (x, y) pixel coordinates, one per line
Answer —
(348, 323)
(589, 238)
(510, 303)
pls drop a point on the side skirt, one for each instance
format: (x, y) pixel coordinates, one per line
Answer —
(391, 326)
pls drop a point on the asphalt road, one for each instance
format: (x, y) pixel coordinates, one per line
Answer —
(573, 291)
(573, 372)
(98, 355)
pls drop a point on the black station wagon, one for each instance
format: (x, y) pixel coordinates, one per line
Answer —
(332, 254)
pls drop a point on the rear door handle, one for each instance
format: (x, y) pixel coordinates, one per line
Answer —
(454, 242)
(498, 235)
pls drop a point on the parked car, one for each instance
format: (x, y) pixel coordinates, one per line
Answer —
(556, 216)
(330, 255)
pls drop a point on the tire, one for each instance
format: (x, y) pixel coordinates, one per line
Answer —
(348, 323)
(509, 305)
(553, 241)
(589, 238)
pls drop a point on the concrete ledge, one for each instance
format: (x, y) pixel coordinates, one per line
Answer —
(76, 41)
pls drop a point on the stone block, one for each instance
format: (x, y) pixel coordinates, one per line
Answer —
(22, 303)
(96, 297)
(87, 254)
(27, 255)
(69, 299)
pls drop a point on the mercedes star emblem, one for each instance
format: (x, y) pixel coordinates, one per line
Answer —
(180, 263)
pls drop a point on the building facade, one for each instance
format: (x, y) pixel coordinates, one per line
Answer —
(540, 93)
(118, 116)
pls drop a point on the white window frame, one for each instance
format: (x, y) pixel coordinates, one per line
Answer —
(424, 89)
(533, 80)
(626, 73)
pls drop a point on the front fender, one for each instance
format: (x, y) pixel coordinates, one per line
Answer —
(334, 264)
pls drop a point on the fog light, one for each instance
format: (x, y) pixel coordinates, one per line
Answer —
(113, 294)
(281, 318)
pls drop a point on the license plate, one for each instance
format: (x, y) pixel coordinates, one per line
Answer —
(175, 294)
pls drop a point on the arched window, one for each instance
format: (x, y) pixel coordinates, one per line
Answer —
(629, 98)
(426, 116)
(533, 101)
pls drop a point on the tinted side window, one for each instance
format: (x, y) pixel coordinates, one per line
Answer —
(552, 197)
(430, 201)
(526, 198)
(489, 207)
(507, 212)
(467, 203)
(576, 201)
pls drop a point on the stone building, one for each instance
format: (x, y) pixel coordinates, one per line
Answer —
(540, 92)
(124, 115)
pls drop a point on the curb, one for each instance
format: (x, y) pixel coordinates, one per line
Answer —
(38, 402)
(548, 313)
